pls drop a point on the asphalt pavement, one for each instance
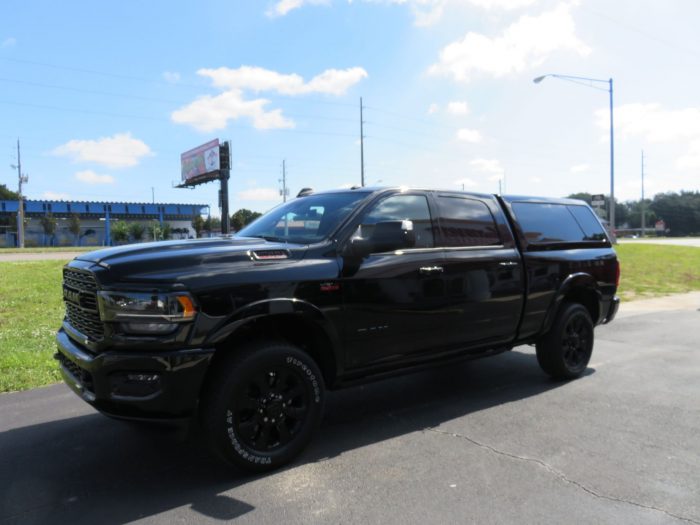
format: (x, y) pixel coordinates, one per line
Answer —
(489, 441)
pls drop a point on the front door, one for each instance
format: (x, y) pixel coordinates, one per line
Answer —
(394, 302)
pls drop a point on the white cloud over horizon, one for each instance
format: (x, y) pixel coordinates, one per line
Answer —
(10, 41)
(259, 194)
(118, 151)
(458, 107)
(209, 113)
(425, 12)
(90, 177)
(654, 124)
(469, 135)
(525, 44)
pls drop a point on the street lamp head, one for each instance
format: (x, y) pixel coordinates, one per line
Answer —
(537, 80)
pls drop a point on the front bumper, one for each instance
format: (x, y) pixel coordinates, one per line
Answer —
(612, 310)
(135, 385)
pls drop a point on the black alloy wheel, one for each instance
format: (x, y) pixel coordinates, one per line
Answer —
(564, 351)
(270, 408)
(262, 404)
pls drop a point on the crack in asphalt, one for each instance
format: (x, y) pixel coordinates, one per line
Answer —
(561, 475)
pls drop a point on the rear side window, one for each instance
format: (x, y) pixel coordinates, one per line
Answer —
(466, 222)
(589, 223)
(543, 222)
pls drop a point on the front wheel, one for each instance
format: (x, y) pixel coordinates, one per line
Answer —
(263, 406)
(564, 352)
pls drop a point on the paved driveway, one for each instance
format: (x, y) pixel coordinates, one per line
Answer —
(492, 441)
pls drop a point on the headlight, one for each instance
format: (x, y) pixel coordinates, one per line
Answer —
(146, 313)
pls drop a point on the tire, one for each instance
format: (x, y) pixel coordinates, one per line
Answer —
(262, 406)
(564, 352)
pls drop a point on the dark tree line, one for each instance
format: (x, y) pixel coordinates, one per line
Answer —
(680, 211)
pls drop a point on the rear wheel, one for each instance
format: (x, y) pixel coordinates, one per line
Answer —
(263, 406)
(564, 352)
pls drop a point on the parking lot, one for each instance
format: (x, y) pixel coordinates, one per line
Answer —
(491, 441)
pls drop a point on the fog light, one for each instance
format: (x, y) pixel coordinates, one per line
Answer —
(149, 328)
(135, 384)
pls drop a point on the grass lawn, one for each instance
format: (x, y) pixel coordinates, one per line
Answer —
(650, 270)
(46, 249)
(31, 305)
(31, 310)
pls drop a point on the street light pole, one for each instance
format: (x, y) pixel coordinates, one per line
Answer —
(588, 83)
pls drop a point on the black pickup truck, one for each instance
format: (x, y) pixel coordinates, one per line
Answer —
(325, 291)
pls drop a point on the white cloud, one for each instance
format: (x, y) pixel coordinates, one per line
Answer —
(458, 108)
(257, 79)
(9, 42)
(283, 7)
(654, 124)
(90, 177)
(172, 77)
(260, 194)
(579, 168)
(55, 196)
(468, 183)
(525, 44)
(209, 113)
(212, 112)
(535, 180)
(691, 160)
(487, 166)
(119, 151)
(425, 12)
(469, 135)
(433, 108)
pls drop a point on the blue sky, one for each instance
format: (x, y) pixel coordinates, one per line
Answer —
(105, 96)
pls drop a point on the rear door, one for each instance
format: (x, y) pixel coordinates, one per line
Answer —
(482, 270)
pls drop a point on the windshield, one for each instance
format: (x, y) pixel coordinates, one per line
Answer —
(304, 220)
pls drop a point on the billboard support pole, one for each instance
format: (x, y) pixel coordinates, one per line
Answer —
(225, 172)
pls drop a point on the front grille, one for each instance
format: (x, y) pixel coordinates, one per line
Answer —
(81, 303)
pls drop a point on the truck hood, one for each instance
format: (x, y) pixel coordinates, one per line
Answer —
(180, 261)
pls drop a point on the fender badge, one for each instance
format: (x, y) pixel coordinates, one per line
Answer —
(330, 287)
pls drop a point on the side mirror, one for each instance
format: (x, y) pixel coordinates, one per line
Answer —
(385, 236)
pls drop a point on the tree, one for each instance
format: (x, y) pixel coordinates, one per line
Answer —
(242, 218)
(74, 226)
(680, 211)
(136, 229)
(212, 224)
(120, 231)
(166, 231)
(7, 194)
(198, 225)
(48, 223)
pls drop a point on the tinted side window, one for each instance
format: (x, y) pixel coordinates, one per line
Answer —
(589, 223)
(466, 222)
(399, 208)
(547, 222)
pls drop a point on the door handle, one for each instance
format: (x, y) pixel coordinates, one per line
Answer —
(428, 270)
(507, 263)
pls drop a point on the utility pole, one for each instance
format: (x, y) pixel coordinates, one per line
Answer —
(362, 146)
(283, 180)
(20, 210)
(643, 203)
(153, 195)
(224, 174)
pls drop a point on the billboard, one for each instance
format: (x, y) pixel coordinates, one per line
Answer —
(200, 164)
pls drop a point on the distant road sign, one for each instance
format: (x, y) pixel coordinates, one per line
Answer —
(597, 200)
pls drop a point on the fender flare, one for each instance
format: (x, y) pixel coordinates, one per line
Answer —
(580, 280)
(269, 308)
